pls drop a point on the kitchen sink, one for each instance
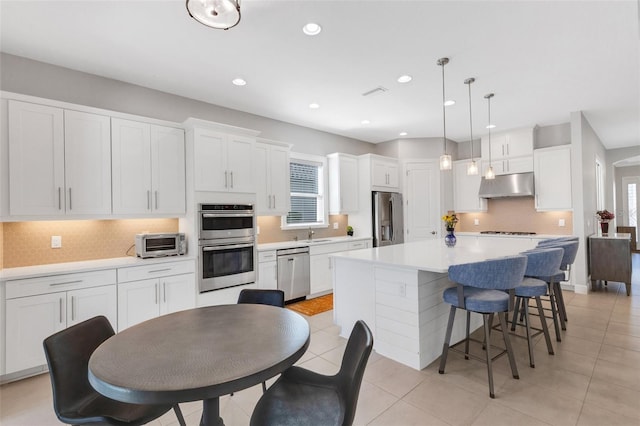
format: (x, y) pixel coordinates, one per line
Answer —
(318, 241)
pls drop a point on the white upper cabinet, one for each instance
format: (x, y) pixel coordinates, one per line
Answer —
(466, 188)
(148, 168)
(59, 161)
(552, 176)
(223, 162)
(343, 183)
(384, 174)
(511, 151)
(272, 178)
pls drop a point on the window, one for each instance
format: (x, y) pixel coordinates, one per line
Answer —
(308, 188)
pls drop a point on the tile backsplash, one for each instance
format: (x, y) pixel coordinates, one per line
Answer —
(270, 231)
(29, 243)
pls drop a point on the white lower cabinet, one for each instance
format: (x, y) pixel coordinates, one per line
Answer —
(39, 307)
(267, 270)
(169, 288)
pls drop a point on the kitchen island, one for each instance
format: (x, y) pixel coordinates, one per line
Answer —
(397, 291)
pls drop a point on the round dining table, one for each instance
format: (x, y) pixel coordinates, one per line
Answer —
(199, 354)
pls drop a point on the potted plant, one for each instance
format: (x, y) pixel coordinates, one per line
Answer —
(604, 216)
(350, 231)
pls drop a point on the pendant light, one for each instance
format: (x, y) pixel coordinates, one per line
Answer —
(472, 167)
(445, 159)
(219, 14)
(490, 173)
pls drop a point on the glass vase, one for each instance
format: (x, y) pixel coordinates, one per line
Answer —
(604, 226)
(450, 239)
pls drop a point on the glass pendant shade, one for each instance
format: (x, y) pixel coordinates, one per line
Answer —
(472, 168)
(220, 14)
(490, 173)
(445, 162)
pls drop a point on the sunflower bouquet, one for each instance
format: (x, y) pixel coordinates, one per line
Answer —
(450, 220)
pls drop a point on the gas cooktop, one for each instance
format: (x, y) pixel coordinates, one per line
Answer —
(507, 233)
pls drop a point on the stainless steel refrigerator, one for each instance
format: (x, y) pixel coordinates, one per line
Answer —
(388, 223)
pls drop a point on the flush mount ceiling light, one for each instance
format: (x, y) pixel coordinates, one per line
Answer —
(219, 14)
(239, 81)
(314, 105)
(472, 167)
(403, 133)
(491, 126)
(449, 102)
(490, 173)
(311, 29)
(404, 78)
(445, 159)
(365, 122)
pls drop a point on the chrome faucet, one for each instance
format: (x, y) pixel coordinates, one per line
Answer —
(310, 235)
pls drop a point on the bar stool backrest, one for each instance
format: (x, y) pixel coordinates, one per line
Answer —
(570, 251)
(543, 262)
(502, 273)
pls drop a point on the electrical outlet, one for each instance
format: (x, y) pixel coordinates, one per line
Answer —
(56, 241)
(476, 222)
(258, 230)
(561, 222)
(335, 225)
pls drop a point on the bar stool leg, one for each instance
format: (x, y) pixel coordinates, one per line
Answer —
(487, 328)
(545, 329)
(466, 343)
(554, 312)
(525, 310)
(507, 344)
(447, 340)
(561, 308)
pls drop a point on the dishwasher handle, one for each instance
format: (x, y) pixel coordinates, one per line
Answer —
(290, 251)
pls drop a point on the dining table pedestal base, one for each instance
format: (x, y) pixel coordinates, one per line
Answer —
(211, 413)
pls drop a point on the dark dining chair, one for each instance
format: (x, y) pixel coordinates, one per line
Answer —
(303, 397)
(74, 399)
(486, 288)
(262, 297)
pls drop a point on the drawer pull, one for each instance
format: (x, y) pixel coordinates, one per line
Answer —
(159, 270)
(61, 319)
(66, 282)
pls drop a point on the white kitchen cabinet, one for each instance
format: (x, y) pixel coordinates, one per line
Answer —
(320, 266)
(272, 178)
(466, 188)
(343, 183)
(38, 307)
(267, 270)
(145, 292)
(60, 161)
(148, 166)
(223, 162)
(511, 151)
(385, 174)
(552, 175)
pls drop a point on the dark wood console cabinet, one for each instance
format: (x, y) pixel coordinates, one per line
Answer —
(610, 258)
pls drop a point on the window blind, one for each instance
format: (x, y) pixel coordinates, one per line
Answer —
(304, 193)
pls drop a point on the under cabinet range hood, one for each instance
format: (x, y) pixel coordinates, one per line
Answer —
(513, 185)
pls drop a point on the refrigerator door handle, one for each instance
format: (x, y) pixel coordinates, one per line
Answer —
(391, 231)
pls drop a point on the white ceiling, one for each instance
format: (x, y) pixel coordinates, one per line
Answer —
(542, 59)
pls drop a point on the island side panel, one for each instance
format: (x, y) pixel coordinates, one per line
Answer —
(353, 294)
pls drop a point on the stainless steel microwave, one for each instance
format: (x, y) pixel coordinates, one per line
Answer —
(160, 245)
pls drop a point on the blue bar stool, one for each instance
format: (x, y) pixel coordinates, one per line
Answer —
(486, 288)
(541, 262)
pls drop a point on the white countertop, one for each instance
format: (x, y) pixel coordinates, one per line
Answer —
(612, 236)
(435, 256)
(307, 243)
(83, 266)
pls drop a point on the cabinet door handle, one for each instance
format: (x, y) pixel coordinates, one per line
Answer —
(148, 200)
(231, 173)
(156, 293)
(226, 179)
(59, 198)
(507, 149)
(164, 292)
(70, 205)
(73, 308)
(274, 201)
(156, 194)
(502, 149)
(61, 319)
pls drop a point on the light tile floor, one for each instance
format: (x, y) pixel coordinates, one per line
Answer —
(592, 380)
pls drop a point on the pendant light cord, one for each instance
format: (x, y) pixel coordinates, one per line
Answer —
(442, 62)
(469, 81)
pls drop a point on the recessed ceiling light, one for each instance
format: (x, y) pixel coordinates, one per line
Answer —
(404, 78)
(314, 105)
(449, 102)
(403, 133)
(491, 126)
(239, 81)
(311, 29)
(365, 122)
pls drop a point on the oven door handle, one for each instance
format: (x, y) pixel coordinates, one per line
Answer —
(216, 215)
(226, 247)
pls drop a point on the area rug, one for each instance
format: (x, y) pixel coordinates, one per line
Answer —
(313, 306)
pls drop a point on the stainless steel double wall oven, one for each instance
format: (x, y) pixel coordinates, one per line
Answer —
(226, 245)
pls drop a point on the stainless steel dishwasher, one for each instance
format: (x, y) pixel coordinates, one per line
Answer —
(293, 272)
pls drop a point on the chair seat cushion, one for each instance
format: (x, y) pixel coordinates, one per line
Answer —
(293, 400)
(531, 287)
(555, 278)
(96, 408)
(479, 299)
